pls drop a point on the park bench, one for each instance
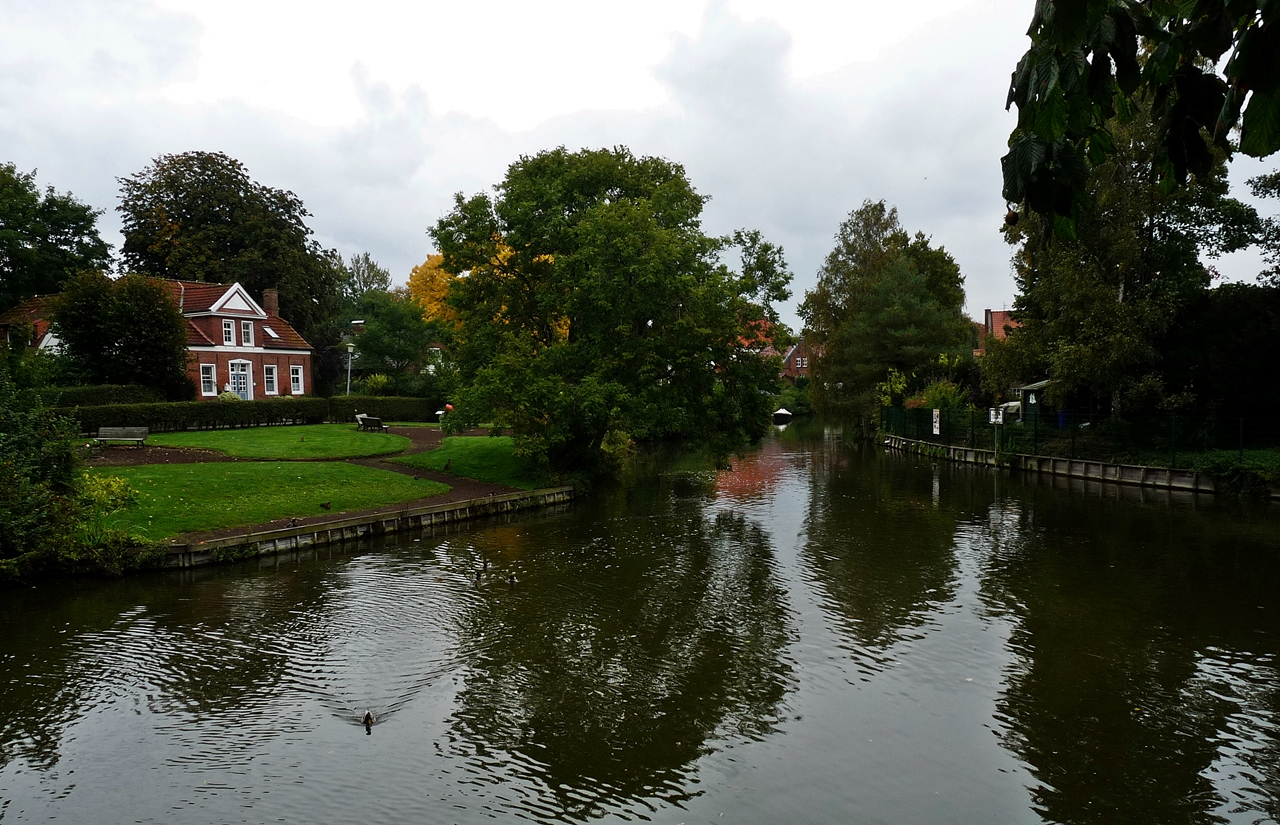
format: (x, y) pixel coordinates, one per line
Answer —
(138, 435)
(371, 424)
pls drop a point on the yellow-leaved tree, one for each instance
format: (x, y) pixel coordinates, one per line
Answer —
(428, 285)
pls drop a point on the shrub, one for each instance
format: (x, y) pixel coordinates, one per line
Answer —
(91, 395)
(201, 415)
(376, 384)
(344, 408)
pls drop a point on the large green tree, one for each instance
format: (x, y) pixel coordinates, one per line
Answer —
(1097, 311)
(594, 308)
(1094, 65)
(45, 238)
(199, 216)
(885, 301)
(126, 331)
(396, 337)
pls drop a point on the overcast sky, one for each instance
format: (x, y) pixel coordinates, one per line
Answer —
(787, 114)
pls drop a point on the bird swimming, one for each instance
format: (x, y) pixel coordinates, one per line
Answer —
(368, 721)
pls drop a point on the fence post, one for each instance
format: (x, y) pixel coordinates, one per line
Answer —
(1035, 433)
(1173, 440)
(1242, 439)
(971, 441)
(1071, 422)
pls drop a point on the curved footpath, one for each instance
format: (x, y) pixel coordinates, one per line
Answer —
(421, 440)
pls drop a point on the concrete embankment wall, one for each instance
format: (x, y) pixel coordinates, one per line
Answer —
(1159, 477)
(290, 539)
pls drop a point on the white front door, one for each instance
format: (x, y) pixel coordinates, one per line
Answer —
(240, 379)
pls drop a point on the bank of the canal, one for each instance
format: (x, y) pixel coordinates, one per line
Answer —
(828, 633)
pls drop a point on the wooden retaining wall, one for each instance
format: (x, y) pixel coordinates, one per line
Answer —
(1160, 477)
(291, 539)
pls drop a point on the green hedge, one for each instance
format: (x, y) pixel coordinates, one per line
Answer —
(204, 415)
(93, 396)
(388, 408)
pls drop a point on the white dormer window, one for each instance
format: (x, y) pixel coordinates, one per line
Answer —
(246, 333)
(229, 333)
(272, 333)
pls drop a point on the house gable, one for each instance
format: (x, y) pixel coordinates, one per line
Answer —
(237, 300)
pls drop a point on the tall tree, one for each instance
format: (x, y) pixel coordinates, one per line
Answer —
(395, 339)
(885, 300)
(364, 275)
(594, 308)
(199, 216)
(429, 284)
(126, 331)
(1092, 66)
(45, 238)
(1097, 311)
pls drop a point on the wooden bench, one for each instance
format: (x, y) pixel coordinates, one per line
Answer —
(371, 423)
(138, 435)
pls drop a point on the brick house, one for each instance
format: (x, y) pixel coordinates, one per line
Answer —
(997, 323)
(232, 343)
(798, 361)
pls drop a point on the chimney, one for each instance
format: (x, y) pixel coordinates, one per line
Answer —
(271, 301)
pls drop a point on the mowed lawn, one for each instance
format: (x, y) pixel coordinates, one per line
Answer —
(288, 442)
(484, 458)
(185, 498)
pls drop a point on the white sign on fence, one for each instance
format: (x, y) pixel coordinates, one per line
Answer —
(937, 422)
(995, 415)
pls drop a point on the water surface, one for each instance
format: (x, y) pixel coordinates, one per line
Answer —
(824, 634)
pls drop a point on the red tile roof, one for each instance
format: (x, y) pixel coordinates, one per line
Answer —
(34, 311)
(289, 337)
(196, 337)
(194, 296)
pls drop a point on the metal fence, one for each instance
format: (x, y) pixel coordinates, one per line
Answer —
(1154, 440)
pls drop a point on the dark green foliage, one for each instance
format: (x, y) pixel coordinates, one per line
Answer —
(37, 477)
(1099, 311)
(1220, 351)
(44, 238)
(186, 415)
(92, 395)
(199, 216)
(396, 337)
(885, 303)
(126, 331)
(595, 309)
(1093, 65)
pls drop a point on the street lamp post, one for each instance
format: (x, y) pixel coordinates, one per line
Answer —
(351, 348)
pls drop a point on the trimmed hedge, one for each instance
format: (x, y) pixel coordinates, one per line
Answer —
(205, 415)
(388, 408)
(90, 396)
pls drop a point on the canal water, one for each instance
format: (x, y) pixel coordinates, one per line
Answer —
(825, 634)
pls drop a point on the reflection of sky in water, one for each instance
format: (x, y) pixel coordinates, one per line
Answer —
(820, 634)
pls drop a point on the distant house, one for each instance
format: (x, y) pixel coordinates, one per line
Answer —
(997, 323)
(234, 344)
(797, 361)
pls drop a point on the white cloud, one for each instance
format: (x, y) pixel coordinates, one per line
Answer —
(789, 117)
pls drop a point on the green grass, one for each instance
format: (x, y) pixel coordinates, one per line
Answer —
(183, 498)
(484, 458)
(298, 442)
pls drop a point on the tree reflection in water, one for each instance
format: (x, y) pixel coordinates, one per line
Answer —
(879, 544)
(635, 639)
(1143, 686)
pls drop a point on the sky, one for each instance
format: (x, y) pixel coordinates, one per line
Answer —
(787, 114)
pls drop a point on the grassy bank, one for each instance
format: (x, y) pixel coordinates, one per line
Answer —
(484, 458)
(309, 441)
(181, 498)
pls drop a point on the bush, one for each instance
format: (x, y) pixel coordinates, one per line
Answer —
(92, 395)
(940, 395)
(344, 408)
(202, 415)
(185, 415)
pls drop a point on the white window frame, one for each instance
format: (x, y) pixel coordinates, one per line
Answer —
(295, 380)
(269, 384)
(228, 332)
(208, 379)
(246, 333)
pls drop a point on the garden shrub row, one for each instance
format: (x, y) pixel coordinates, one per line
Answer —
(89, 396)
(205, 415)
